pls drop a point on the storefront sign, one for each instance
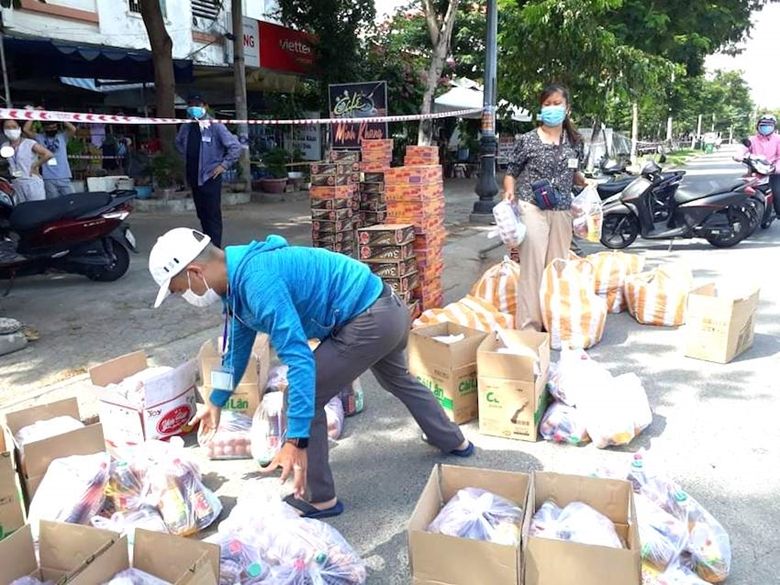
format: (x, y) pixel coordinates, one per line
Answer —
(285, 49)
(251, 43)
(307, 139)
(357, 100)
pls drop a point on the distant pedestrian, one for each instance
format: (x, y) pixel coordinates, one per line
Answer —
(25, 163)
(56, 172)
(209, 149)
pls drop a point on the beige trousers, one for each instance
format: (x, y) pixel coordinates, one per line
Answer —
(548, 238)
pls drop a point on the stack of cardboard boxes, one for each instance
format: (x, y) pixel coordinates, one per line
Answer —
(421, 155)
(415, 195)
(334, 200)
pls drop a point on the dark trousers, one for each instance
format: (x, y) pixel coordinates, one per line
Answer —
(774, 182)
(208, 205)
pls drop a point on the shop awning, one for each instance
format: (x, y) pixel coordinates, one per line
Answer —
(467, 95)
(48, 58)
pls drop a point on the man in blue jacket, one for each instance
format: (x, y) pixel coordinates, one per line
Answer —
(295, 294)
(209, 149)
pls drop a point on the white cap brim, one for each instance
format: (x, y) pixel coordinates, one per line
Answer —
(163, 293)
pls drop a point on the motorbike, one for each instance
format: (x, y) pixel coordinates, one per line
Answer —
(82, 233)
(724, 218)
(759, 188)
(665, 185)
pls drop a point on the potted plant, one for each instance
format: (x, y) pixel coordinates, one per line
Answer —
(275, 162)
(165, 173)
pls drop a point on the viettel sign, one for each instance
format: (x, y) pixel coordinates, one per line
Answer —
(285, 49)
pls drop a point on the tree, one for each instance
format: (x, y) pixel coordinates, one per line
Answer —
(239, 80)
(162, 58)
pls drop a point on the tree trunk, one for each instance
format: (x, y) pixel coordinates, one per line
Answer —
(440, 31)
(239, 79)
(634, 131)
(162, 57)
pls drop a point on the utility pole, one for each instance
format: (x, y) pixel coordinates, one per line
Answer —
(487, 188)
(634, 131)
(6, 86)
(669, 118)
(239, 80)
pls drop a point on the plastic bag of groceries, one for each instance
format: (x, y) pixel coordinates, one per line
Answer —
(259, 504)
(509, 226)
(676, 574)
(125, 522)
(563, 424)
(479, 515)
(587, 215)
(578, 522)
(27, 580)
(241, 559)
(232, 439)
(72, 491)
(135, 577)
(269, 428)
(574, 375)
(45, 429)
(334, 414)
(663, 536)
(545, 522)
(277, 379)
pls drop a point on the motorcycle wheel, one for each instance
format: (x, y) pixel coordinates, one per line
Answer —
(116, 269)
(740, 222)
(619, 231)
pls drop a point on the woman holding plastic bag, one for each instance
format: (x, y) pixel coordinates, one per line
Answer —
(543, 167)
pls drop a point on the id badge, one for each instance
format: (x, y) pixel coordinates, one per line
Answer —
(52, 162)
(222, 379)
(17, 174)
(574, 163)
(206, 138)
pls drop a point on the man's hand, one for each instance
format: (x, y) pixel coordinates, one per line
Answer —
(208, 418)
(293, 461)
(217, 171)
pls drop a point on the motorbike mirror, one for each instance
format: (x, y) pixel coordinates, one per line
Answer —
(7, 151)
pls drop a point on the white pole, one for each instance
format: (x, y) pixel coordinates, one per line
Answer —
(634, 131)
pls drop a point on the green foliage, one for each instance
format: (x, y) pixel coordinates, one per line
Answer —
(275, 161)
(167, 170)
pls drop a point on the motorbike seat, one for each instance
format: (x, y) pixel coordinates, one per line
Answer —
(611, 188)
(31, 214)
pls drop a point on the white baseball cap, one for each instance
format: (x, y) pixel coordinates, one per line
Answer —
(171, 254)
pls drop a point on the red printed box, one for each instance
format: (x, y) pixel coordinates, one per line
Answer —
(344, 156)
(374, 168)
(386, 252)
(341, 192)
(386, 235)
(414, 175)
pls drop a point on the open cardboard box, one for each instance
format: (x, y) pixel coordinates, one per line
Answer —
(512, 386)
(65, 550)
(557, 562)
(168, 406)
(246, 396)
(437, 559)
(11, 503)
(720, 326)
(176, 560)
(34, 460)
(449, 370)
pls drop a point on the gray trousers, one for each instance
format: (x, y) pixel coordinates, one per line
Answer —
(374, 340)
(57, 187)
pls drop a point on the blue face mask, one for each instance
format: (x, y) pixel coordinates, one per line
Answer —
(766, 129)
(196, 112)
(553, 115)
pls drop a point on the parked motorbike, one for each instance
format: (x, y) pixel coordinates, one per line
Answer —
(723, 218)
(665, 185)
(82, 233)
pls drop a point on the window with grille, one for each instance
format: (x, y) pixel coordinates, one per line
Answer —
(206, 8)
(134, 6)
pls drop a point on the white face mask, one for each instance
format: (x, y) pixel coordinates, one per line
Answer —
(13, 133)
(208, 298)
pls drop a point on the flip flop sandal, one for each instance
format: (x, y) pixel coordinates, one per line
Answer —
(467, 451)
(310, 511)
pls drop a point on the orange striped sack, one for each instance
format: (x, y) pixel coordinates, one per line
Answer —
(573, 314)
(612, 270)
(470, 312)
(498, 286)
(660, 297)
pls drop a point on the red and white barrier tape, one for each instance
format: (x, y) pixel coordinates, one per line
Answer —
(23, 115)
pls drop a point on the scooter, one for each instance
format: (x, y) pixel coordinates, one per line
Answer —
(723, 218)
(759, 188)
(82, 233)
(665, 185)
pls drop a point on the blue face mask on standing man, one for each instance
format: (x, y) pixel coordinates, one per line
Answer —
(553, 115)
(196, 112)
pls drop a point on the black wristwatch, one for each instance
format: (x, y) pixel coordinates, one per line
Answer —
(301, 443)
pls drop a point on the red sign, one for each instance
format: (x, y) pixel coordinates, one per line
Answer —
(285, 49)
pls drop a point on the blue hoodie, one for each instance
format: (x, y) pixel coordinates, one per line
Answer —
(293, 294)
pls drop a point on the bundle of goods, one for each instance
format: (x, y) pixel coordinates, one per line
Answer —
(334, 414)
(135, 577)
(232, 439)
(576, 522)
(27, 580)
(591, 404)
(480, 515)
(241, 560)
(415, 195)
(334, 201)
(352, 398)
(471, 312)
(571, 311)
(509, 227)
(132, 388)
(126, 521)
(421, 155)
(612, 271)
(45, 429)
(277, 379)
(587, 215)
(499, 286)
(660, 297)
(269, 428)
(373, 203)
(72, 491)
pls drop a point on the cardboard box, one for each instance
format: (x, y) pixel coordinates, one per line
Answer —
(65, 551)
(246, 396)
(719, 327)
(512, 394)
(343, 156)
(34, 461)
(449, 370)
(397, 253)
(374, 168)
(176, 560)
(330, 204)
(556, 562)
(373, 176)
(377, 188)
(392, 269)
(340, 192)
(414, 175)
(11, 501)
(331, 214)
(386, 235)
(344, 180)
(437, 559)
(169, 401)
(330, 227)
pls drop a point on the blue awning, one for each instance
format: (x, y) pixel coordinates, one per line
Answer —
(29, 58)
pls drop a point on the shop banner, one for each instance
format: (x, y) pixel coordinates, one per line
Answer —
(366, 99)
(285, 49)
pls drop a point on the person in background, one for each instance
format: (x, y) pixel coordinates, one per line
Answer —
(209, 149)
(550, 155)
(766, 143)
(295, 294)
(56, 172)
(25, 163)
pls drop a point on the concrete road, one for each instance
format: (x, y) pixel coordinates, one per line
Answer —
(714, 428)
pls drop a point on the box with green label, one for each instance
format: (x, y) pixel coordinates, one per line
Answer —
(512, 369)
(444, 359)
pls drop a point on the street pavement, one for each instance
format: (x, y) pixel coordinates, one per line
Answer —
(715, 427)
